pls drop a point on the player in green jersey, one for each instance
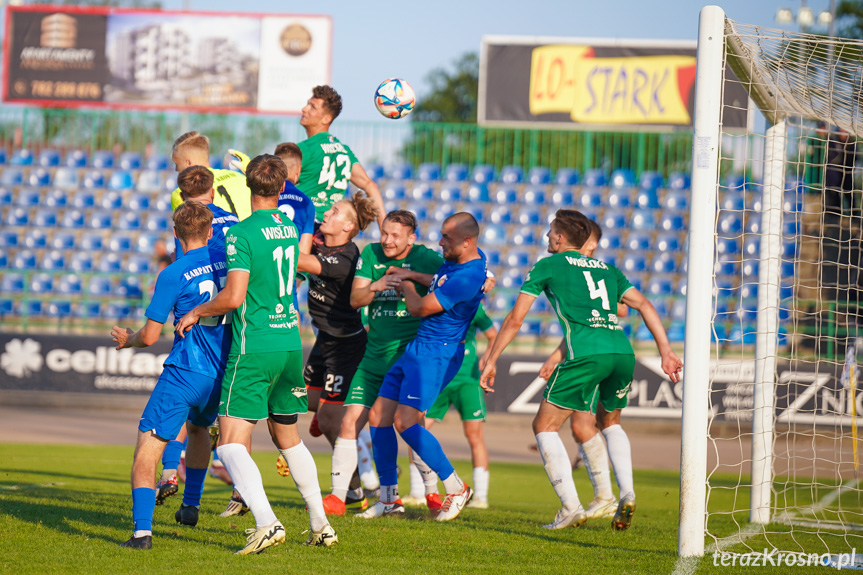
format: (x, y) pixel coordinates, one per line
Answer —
(232, 193)
(464, 393)
(599, 364)
(263, 378)
(391, 328)
(328, 165)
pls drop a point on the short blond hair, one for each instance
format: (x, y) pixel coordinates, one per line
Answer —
(191, 141)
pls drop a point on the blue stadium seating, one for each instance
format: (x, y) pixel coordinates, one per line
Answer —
(727, 246)
(786, 269)
(534, 195)
(633, 263)
(39, 177)
(31, 307)
(81, 262)
(734, 182)
(146, 242)
(539, 176)
(6, 198)
(76, 159)
(91, 241)
(676, 200)
(647, 199)
(611, 240)
(790, 225)
(623, 178)
(594, 178)
(478, 192)
(432, 235)
(403, 171)
(24, 260)
(100, 286)
(494, 235)
(751, 246)
(129, 286)
(8, 239)
(743, 334)
(505, 195)
(450, 193)
(6, 306)
(89, 309)
(35, 239)
(161, 222)
(456, 173)
(678, 310)
(524, 236)
(56, 198)
(529, 216)
(59, 309)
(429, 172)
(650, 180)
(482, 174)
(120, 243)
(170, 183)
(589, 198)
(475, 211)
(53, 260)
(100, 220)
(727, 265)
(511, 278)
(121, 180)
(613, 220)
(531, 327)
(117, 310)
(664, 262)
(517, 258)
(69, 284)
(394, 191)
(732, 202)
(638, 241)
(442, 212)
(28, 197)
(511, 175)
(500, 215)
(620, 197)
(389, 205)
(111, 201)
(419, 210)
(643, 219)
(22, 157)
(568, 177)
(130, 161)
(502, 300)
(789, 248)
(138, 202)
(422, 192)
(606, 256)
(73, 219)
(158, 162)
(93, 180)
(139, 264)
(671, 222)
(149, 181)
(11, 176)
(562, 197)
(748, 289)
(17, 217)
(41, 283)
(12, 283)
(553, 329)
(753, 224)
(749, 269)
(730, 224)
(102, 159)
(492, 256)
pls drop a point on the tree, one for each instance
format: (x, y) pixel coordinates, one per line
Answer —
(454, 93)
(849, 19)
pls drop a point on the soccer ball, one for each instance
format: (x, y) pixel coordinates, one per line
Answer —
(395, 98)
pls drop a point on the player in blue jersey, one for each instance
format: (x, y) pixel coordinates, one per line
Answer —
(429, 362)
(292, 202)
(189, 387)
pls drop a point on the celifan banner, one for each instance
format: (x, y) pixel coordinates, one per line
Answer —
(197, 61)
(569, 83)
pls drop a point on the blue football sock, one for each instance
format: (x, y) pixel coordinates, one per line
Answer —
(194, 487)
(385, 446)
(171, 456)
(428, 448)
(143, 505)
(215, 455)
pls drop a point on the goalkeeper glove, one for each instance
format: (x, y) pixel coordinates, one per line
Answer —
(241, 161)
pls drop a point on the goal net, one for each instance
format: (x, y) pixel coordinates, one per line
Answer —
(772, 303)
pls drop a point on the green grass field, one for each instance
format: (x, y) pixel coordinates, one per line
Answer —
(64, 509)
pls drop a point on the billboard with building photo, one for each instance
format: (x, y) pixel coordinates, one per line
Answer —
(199, 61)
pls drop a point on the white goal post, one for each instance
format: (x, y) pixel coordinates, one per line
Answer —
(776, 467)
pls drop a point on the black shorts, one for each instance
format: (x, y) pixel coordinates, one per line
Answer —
(332, 364)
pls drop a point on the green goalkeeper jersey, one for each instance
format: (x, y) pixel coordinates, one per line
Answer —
(266, 245)
(584, 292)
(327, 165)
(390, 325)
(232, 193)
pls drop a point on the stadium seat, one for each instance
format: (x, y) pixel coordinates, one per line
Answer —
(92, 241)
(743, 334)
(35, 239)
(749, 269)
(102, 159)
(163, 203)
(611, 240)
(494, 235)
(8, 239)
(39, 177)
(7, 306)
(529, 216)
(394, 191)
(589, 198)
(475, 211)
(100, 286)
(402, 171)
(524, 236)
(733, 182)
(59, 309)
(606, 256)
(539, 176)
(130, 161)
(422, 192)
(511, 175)
(158, 162)
(76, 159)
(671, 222)
(73, 219)
(505, 195)
(22, 157)
(117, 310)
(442, 212)
(456, 173)
(24, 260)
(93, 180)
(534, 196)
(502, 300)
(149, 181)
(41, 283)
(482, 174)
(567, 177)
(594, 178)
(11, 176)
(478, 192)
(511, 278)
(620, 197)
(500, 215)
(647, 199)
(643, 219)
(100, 220)
(112, 200)
(664, 263)
(541, 305)
(753, 224)
(120, 243)
(553, 329)
(432, 235)
(69, 284)
(613, 220)
(517, 258)
(130, 287)
(732, 202)
(89, 310)
(428, 172)
(56, 198)
(28, 197)
(139, 264)
(727, 246)
(6, 198)
(650, 180)
(790, 226)
(53, 260)
(12, 283)
(31, 307)
(146, 242)
(138, 202)
(531, 327)
(63, 241)
(81, 262)
(679, 181)
(730, 224)
(633, 263)
(676, 200)
(727, 265)
(789, 248)
(121, 180)
(622, 178)
(419, 210)
(449, 193)
(787, 268)
(389, 205)
(562, 197)
(161, 222)
(793, 202)
(492, 256)
(17, 217)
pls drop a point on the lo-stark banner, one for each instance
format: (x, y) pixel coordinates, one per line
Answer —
(196, 61)
(572, 83)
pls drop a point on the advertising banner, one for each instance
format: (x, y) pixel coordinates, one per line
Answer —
(193, 61)
(573, 83)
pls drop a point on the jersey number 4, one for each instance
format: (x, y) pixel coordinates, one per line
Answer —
(598, 291)
(342, 163)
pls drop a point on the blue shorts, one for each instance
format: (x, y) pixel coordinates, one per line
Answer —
(180, 395)
(419, 375)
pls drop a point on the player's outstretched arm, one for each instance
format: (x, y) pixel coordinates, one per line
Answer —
(144, 337)
(361, 179)
(555, 358)
(420, 306)
(363, 290)
(230, 298)
(306, 243)
(507, 333)
(490, 334)
(405, 274)
(309, 264)
(671, 364)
